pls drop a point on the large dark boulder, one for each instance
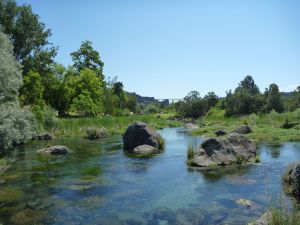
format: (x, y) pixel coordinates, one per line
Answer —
(243, 130)
(291, 180)
(233, 150)
(55, 150)
(140, 133)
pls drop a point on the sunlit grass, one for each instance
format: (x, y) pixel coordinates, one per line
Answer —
(114, 125)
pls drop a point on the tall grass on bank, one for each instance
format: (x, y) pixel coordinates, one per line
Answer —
(266, 127)
(114, 125)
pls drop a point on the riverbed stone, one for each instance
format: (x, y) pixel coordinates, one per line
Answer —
(215, 152)
(45, 137)
(140, 133)
(243, 130)
(145, 150)
(220, 133)
(55, 150)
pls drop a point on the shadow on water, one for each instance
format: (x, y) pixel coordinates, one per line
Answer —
(100, 184)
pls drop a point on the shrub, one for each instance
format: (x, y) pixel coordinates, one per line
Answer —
(3, 166)
(96, 133)
(45, 117)
(151, 109)
(16, 125)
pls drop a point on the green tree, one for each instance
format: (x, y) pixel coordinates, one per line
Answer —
(85, 105)
(274, 99)
(118, 90)
(192, 96)
(87, 57)
(211, 100)
(248, 85)
(16, 124)
(32, 91)
(28, 35)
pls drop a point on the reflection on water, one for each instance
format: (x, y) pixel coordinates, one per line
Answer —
(99, 184)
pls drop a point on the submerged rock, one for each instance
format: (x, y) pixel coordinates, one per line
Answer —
(139, 134)
(245, 202)
(243, 130)
(28, 216)
(291, 180)
(234, 150)
(145, 150)
(45, 137)
(220, 133)
(55, 150)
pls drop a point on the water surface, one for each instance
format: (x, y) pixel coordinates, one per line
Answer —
(99, 184)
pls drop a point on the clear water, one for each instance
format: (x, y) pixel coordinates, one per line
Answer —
(99, 184)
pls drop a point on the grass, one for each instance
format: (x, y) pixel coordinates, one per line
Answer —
(114, 125)
(284, 217)
(266, 127)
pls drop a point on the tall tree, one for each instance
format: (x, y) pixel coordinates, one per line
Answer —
(29, 36)
(248, 84)
(15, 123)
(87, 57)
(274, 100)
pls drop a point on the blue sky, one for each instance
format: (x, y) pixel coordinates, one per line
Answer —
(166, 48)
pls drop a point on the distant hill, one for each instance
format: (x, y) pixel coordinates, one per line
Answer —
(147, 100)
(287, 94)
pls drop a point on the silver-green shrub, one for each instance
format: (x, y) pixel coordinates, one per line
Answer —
(16, 124)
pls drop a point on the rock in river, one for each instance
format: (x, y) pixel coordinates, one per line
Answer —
(139, 134)
(45, 137)
(55, 150)
(213, 152)
(145, 150)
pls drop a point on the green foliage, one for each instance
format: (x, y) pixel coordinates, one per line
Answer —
(151, 108)
(16, 124)
(28, 35)
(114, 125)
(161, 143)
(10, 72)
(3, 165)
(190, 151)
(32, 90)
(88, 58)
(257, 159)
(46, 117)
(274, 99)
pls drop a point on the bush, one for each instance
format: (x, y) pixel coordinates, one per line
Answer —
(96, 133)
(16, 125)
(151, 109)
(46, 117)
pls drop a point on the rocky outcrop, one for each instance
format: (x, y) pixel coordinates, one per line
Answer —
(139, 134)
(55, 150)
(235, 149)
(45, 137)
(243, 130)
(291, 180)
(220, 133)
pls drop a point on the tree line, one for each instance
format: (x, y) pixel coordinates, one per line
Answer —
(245, 99)
(80, 88)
